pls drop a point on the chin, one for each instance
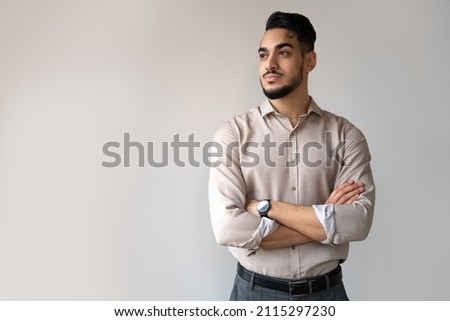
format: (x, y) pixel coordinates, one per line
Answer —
(272, 87)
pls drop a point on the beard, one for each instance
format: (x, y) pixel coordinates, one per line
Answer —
(283, 91)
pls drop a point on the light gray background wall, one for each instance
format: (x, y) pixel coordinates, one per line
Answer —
(77, 74)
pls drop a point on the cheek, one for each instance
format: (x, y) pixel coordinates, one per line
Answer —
(262, 68)
(262, 71)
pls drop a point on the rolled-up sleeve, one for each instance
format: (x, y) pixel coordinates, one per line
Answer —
(325, 214)
(232, 225)
(353, 221)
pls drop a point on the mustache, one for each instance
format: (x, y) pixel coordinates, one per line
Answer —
(270, 72)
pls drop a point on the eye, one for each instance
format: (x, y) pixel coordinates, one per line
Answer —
(262, 55)
(283, 53)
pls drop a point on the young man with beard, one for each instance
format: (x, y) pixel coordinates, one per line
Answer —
(293, 186)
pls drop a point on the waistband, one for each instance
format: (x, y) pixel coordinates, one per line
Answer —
(294, 287)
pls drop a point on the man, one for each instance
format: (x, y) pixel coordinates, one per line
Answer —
(293, 185)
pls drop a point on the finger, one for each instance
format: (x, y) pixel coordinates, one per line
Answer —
(345, 194)
(338, 191)
(352, 199)
(354, 195)
(338, 195)
(345, 198)
(347, 191)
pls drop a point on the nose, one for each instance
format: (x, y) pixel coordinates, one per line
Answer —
(271, 63)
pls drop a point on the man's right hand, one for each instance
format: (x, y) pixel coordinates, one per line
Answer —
(346, 193)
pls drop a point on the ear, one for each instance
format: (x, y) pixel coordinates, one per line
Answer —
(310, 61)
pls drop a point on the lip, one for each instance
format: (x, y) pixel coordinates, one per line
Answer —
(272, 77)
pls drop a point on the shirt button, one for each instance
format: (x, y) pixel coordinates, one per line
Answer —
(294, 188)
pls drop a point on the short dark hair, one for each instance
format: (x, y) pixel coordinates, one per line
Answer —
(297, 25)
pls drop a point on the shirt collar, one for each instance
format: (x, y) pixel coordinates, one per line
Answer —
(267, 108)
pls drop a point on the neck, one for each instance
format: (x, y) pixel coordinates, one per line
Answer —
(292, 105)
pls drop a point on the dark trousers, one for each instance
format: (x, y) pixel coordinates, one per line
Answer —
(247, 291)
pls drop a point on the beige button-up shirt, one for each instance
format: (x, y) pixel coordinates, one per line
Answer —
(260, 155)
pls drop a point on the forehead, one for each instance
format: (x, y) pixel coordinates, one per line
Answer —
(274, 37)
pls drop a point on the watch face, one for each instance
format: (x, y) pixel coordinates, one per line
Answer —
(263, 206)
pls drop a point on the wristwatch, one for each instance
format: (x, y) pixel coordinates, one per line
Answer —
(263, 207)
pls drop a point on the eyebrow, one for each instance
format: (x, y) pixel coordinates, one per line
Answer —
(277, 47)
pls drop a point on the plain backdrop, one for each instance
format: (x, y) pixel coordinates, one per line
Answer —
(75, 75)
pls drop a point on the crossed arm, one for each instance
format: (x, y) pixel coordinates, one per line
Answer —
(299, 224)
(235, 220)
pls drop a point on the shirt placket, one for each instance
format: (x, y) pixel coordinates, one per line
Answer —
(293, 188)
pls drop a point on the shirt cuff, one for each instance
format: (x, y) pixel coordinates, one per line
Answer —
(267, 226)
(325, 214)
